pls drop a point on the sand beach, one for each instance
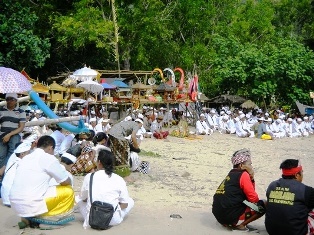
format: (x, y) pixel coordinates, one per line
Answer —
(184, 174)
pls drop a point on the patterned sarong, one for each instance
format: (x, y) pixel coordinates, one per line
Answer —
(310, 223)
(84, 164)
(120, 149)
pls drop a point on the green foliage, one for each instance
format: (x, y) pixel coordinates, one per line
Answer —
(253, 48)
(86, 24)
(19, 45)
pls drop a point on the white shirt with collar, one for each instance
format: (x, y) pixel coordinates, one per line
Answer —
(27, 195)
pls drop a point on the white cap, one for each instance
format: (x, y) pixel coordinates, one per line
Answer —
(92, 112)
(240, 112)
(269, 120)
(69, 156)
(247, 115)
(202, 115)
(105, 120)
(242, 116)
(266, 114)
(23, 147)
(31, 138)
(212, 111)
(13, 95)
(305, 118)
(225, 117)
(93, 120)
(138, 120)
(222, 113)
(261, 119)
(38, 111)
(128, 118)
(289, 119)
(140, 115)
(299, 120)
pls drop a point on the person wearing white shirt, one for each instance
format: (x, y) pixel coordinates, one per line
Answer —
(290, 129)
(242, 129)
(22, 150)
(92, 124)
(202, 127)
(307, 125)
(106, 125)
(67, 142)
(31, 194)
(211, 120)
(107, 187)
(58, 136)
(299, 126)
(277, 129)
(223, 125)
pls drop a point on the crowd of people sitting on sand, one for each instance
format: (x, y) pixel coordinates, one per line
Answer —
(255, 123)
(38, 163)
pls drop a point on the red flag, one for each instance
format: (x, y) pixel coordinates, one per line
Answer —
(26, 75)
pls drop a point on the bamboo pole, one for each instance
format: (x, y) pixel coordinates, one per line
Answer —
(53, 121)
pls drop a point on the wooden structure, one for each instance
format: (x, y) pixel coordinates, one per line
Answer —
(74, 93)
(56, 92)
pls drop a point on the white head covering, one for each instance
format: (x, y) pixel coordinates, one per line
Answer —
(138, 120)
(13, 95)
(69, 156)
(31, 138)
(289, 119)
(242, 116)
(202, 115)
(23, 147)
(127, 118)
(140, 115)
(299, 120)
(93, 120)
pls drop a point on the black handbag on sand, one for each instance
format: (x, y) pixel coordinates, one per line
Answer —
(100, 213)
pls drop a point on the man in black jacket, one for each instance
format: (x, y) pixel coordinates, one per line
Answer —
(290, 202)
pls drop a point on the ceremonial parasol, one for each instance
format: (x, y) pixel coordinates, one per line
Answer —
(12, 81)
(84, 74)
(91, 86)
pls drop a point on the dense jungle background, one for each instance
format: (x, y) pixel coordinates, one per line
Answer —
(260, 49)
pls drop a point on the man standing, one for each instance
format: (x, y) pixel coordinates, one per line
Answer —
(12, 121)
(32, 194)
(290, 202)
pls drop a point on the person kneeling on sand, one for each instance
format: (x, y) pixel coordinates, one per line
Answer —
(236, 203)
(156, 128)
(290, 203)
(32, 195)
(107, 187)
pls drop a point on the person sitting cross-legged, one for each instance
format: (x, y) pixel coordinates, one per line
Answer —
(107, 187)
(32, 194)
